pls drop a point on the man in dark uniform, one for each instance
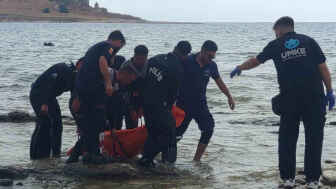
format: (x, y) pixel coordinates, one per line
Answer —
(301, 68)
(132, 96)
(163, 80)
(93, 85)
(119, 79)
(47, 135)
(192, 97)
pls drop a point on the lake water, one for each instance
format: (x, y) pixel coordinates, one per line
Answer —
(243, 150)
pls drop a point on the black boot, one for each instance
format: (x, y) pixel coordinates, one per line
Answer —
(76, 152)
(146, 163)
(74, 157)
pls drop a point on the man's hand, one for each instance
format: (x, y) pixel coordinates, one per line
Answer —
(44, 109)
(109, 90)
(75, 105)
(249, 64)
(231, 103)
(330, 100)
(235, 72)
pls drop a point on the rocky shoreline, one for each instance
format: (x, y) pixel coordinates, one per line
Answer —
(54, 173)
(27, 18)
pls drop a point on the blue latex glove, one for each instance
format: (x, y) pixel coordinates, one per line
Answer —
(330, 98)
(235, 72)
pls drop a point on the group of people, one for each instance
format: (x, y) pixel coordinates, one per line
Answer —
(105, 89)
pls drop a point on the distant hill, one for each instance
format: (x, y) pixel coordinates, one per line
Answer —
(59, 10)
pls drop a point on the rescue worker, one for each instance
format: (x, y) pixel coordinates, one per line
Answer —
(93, 85)
(132, 97)
(301, 68)
(74, 106)
(192, 97)
(163, 80)
(47, 136)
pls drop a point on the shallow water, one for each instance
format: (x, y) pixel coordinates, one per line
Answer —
(243, 150)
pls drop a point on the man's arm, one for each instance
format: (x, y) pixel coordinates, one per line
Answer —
(103, 66)
(268, 53)
(249, 64)
(221, 85)
(325, 76)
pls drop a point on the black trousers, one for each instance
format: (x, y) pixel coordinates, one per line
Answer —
(311, 109)
(117, 111)
(92, 120)
(161, 128)
(47, 136)
(202, 116)
(79, 146)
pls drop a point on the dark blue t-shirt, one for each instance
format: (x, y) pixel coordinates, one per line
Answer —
(192, 92)
(296, 58)
(163, 80)
(53, 82)
(90, 79)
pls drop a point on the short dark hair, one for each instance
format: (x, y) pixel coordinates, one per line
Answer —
(284, 21)
(117, 35)
(184, 47)
(209, 46)
(128, 69)
(141, 50)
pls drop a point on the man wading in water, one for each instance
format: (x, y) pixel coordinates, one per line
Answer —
(198, 69)
(93, 86)
(301, 68)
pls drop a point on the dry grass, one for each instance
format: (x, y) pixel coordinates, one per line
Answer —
(31, 10)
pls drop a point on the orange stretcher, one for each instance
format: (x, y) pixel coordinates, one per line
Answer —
(129, 143)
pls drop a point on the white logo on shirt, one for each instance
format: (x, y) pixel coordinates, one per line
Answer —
(54, 75)
(295, 53)
(207, 73)
(156, 72)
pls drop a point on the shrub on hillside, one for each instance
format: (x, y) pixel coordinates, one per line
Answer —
(46, 10)
(63, 9)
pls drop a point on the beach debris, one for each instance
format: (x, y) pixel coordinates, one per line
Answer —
(267, 122)
(12, 173)
(329, 178)
(48, 44)
(19, 116)
(6, 182)
(330, 161)
(332, 123)
(274, 132)
(107, 170)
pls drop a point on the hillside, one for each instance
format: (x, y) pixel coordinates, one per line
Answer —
(59, 10)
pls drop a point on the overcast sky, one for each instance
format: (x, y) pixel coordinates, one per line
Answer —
(224, 10)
